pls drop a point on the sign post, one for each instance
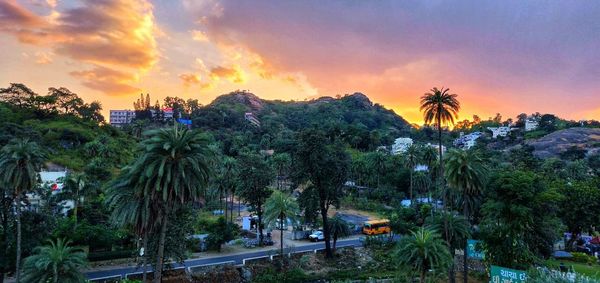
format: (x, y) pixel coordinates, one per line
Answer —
(500, 274)
(473, 251)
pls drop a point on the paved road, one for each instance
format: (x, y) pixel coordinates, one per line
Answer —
(237, 258)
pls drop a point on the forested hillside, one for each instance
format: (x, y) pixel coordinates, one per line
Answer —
(67, 127)
(362, 124)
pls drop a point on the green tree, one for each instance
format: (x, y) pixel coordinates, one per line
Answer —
(338, 229)
(456, 227)
(519, 212)
(579, 207)
(56, 262)
(173, 169)
(20, 162)
(282, 163)
(423, 250)
(130, 208)
(73, 186)
(325, 165)
(466, 173)
(280, 207)
(411, 159)
(440, 107)
(254, 177)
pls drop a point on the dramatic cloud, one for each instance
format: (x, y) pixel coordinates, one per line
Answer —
(189, 79)
(233, 74)
(107, 80)
(507, 50)
(114, 37)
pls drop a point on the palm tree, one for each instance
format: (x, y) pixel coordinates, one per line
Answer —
(377, 162)
(174, 168)
(423, 250)
(128, 207)
(465, 173)
(280, 207)
(411, 160)
(456, 227)
(73, 184)
(338, 229)
(56, 262)
(20, 162)
(441, 107)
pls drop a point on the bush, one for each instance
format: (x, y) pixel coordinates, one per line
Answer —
(552, 276)
(379, 242)
(583, 258)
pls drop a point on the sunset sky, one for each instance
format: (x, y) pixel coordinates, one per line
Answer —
(498, 56)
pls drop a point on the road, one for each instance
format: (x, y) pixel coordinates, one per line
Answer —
(237, 258)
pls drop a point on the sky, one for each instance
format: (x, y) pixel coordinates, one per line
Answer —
(505, 57)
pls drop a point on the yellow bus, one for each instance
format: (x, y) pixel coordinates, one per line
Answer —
(376, 227)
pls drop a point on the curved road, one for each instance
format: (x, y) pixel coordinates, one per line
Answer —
(237, 258)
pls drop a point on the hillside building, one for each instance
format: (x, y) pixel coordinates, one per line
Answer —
(467, 141)
(118, 118)
(249, 116)
(401, 145)
(500, 131)
(531, 124)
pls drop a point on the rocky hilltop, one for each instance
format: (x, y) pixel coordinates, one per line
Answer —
(553, 144)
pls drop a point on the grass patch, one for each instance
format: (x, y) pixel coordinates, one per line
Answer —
(592, 271)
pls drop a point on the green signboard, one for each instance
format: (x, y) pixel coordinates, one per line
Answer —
(473, 250)
(506, 275)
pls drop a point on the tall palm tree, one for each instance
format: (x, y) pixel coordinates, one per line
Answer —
(456, 227)
(56, 262)
(338, 229)
(20, 162)
(441, 107)
(423, 250)
(377, 162)
(466, 173)
(411, 160)
(73, 185)
(280, 207)
(174, 169)
(129, 207)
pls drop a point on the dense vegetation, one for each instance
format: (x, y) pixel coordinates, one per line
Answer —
(153, 184)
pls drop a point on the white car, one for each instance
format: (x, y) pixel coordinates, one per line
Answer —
(316, 236)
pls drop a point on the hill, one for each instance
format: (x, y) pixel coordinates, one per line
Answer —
(363, 124)
(556, 143)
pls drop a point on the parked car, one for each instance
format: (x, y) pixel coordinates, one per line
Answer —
(316, 236)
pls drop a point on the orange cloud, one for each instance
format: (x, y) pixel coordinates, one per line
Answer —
(234, 74)
(107, 80)
(43, 58)
(116, 37)
(189, 79)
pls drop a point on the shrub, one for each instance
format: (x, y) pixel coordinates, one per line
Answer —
(583, 258)
(552, 276)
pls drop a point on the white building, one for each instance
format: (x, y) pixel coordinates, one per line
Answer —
(51, 180)
(119, 118)
(467, 141)
(401, 145)
(249, 116)
(531, 124)
(500, 131)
